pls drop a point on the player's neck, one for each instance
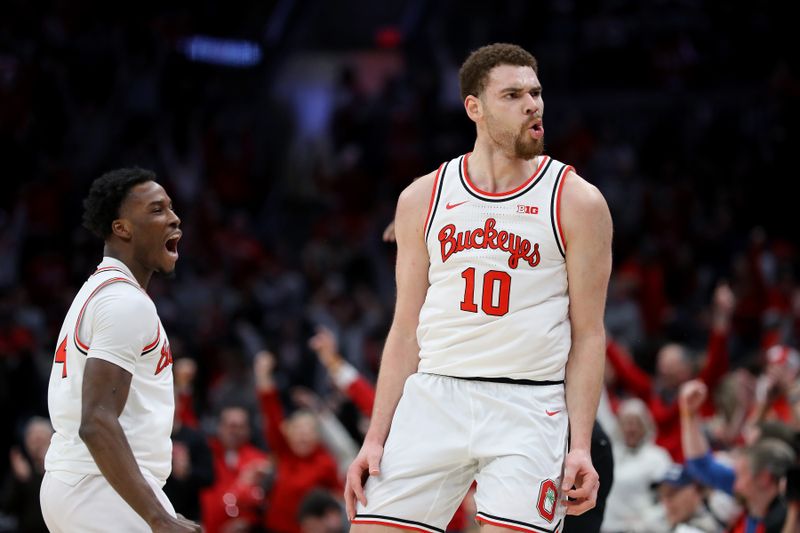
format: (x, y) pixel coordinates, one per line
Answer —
(140, 273)
(493, 170)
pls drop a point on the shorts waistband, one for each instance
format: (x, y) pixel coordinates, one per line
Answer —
(533, 382)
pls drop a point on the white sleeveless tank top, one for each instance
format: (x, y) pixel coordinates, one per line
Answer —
(497, 305)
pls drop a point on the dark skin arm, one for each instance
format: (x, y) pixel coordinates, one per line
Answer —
(104, 394)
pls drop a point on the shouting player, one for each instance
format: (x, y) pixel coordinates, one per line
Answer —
(110, 395)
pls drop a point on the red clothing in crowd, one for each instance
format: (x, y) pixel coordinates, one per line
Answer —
(362, 394)
(666, 413)
(184, 410)
(229, 497)
(295, 476)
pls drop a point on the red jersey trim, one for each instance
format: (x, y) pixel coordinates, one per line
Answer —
(150, 347)
(408, 527)
(108, 269)
(527, 182)
(84, 347)
(567, 170)
(515, 525)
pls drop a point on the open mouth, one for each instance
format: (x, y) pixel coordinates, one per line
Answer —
(171, 245)
(537, 129)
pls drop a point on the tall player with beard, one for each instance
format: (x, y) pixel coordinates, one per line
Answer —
(111, 395)
(493, 366)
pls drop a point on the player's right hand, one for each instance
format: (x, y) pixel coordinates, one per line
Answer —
(367, 463)
(176, 524)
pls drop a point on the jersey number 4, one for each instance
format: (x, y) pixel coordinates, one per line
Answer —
(61, 357)
(493, 280)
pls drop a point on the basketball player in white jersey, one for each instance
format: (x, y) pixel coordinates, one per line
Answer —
(110, 395)
(493, 366)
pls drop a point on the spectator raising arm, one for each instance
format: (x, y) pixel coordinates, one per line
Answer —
(699, 461)
(343, 374)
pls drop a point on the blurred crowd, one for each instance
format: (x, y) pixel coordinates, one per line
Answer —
(285, 173)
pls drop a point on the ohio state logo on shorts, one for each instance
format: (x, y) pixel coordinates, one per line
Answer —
(548, 498)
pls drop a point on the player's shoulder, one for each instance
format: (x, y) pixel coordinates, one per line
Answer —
(122, 298)
(581, 197)
(583, 210)
(419, 191)
(415, 199)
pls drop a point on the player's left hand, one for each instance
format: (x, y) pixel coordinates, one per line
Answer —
(581, 482)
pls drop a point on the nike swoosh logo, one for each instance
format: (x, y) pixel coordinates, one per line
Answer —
(451, 206)
(552, 413)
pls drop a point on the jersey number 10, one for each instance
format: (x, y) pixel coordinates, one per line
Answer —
(492, 280)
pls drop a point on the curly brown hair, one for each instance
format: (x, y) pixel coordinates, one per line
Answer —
(475, 70)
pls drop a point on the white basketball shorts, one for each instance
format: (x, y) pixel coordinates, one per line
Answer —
(87, 503)
(446, 432)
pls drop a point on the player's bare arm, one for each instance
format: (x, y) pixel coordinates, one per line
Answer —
(401, 353)
(104, 394)
(587, 227)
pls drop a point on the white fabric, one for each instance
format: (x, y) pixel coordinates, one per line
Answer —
(337, 440)
(447, 432)
(85, 503)
(119, 324)
(524, 335)
(631, 498)
(345, 375)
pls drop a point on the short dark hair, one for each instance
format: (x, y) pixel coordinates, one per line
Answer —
(475, 70)
(316, 504)
(101, 206)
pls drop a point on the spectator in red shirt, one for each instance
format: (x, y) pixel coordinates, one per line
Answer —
(242, 472)
(303, 464)
(673, 368)
(184, 371)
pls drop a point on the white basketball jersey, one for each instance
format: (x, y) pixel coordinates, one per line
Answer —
(497, 305)
(113, 319)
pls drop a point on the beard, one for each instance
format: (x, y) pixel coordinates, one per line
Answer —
(520, 143)
(526, 147)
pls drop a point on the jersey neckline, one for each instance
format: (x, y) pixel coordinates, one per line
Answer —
(471, 187)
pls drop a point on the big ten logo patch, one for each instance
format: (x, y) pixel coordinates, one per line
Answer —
(528, 209)
(548, 499)
(166, 358)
